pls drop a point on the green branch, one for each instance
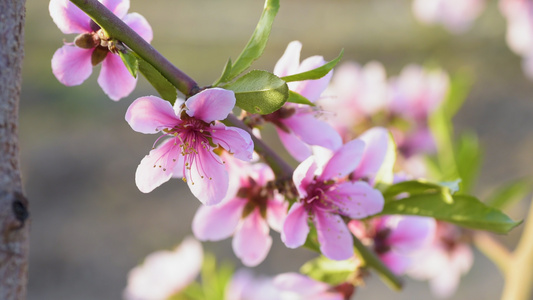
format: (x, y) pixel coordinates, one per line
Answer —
(117, 29)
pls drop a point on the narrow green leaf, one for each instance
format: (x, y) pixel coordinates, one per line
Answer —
(225, 72)
(510, 193)
(442, 129)
(460, 85)
(257, 43)
(466, 211)
(330, 271)
(370, 259)
(259, 92)
(468, 155)
(130, 61)
(315, 73)
(297, 98)
(165, 89)
(311, 242)
(412, 187)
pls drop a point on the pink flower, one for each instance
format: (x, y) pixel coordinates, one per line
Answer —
(395, 238)
(246, 215)
(297, 124)
(325, 196)
(193, 135)
(456, 15)
(359, 92)
(73, 63)
(286, 286)
(377, 160)
(443, 260)
(165, 273)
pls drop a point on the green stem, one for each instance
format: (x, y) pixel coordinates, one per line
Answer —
(519, 275)
(117, 29)
(492, 249)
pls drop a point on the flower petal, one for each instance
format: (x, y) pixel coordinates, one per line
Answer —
(289, 61)
(217, 222)
(376, 145)
(252, 241)
(211, 104)
(276, 213)
(68, 17)
(72, 65)
(157, 167)
(115, 79)
(410, 233)
(118, 7)
(139, 24)
(357, 200)
(344, 161)
(335, 240)
(151, 114)
(295, 227)
(207, 177)
(237, 141)
(313, 131)
(298, 149)
(303, 175)
(396, 262)
(299, 284)
(311, 89)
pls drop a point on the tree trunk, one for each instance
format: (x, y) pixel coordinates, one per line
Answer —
(14, 231)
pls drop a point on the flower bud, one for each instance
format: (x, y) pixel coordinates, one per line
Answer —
(98, 55)
(86, 41)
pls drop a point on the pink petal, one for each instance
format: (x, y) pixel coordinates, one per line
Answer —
(115, 79)
(151, 114)
(376, 144)
(237, 141)
(299, 284)
(344, 161)
(313, 131)
(276, 213)
(295, 227)
(335, 240)
(118, 7)
(72, 65)
(139, 24)
(252, 241)
(311, 89)
(211, 104)
(357, 200)
(207, 177)
(303, 175)
(289, 61)
(217, 222)
(396, 262)
(157, 167)
(298, 149)
(68, 17)
(410, 233)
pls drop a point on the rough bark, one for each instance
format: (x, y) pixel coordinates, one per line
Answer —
(14, 231)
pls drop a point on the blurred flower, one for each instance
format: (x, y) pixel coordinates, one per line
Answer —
(443, 260)
(286, 286)
(194, 134)
(165, 273)
(73, 63)
(456, 15)
(297, 124)
(395, 238)
(325, 196)
(358, 93)
(246, 214)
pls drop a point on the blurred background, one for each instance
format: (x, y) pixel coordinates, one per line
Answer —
(91, 225)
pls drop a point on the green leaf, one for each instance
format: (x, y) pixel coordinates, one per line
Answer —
(297, 98)
(330, 271)
(460, 85)
(370, 259)
(259, 92)
(315, 73)
(215, 281)
(466, 211)
(468, 155)
(257, 43)
(225, 72)
(414, 187)
(510, 193)
(130, 61)
(165, 89)
(312, 239)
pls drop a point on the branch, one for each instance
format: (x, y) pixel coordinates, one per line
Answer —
(117, 29)
(492, 249)
(14, 229)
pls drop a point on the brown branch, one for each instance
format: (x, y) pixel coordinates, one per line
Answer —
(14, 232)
